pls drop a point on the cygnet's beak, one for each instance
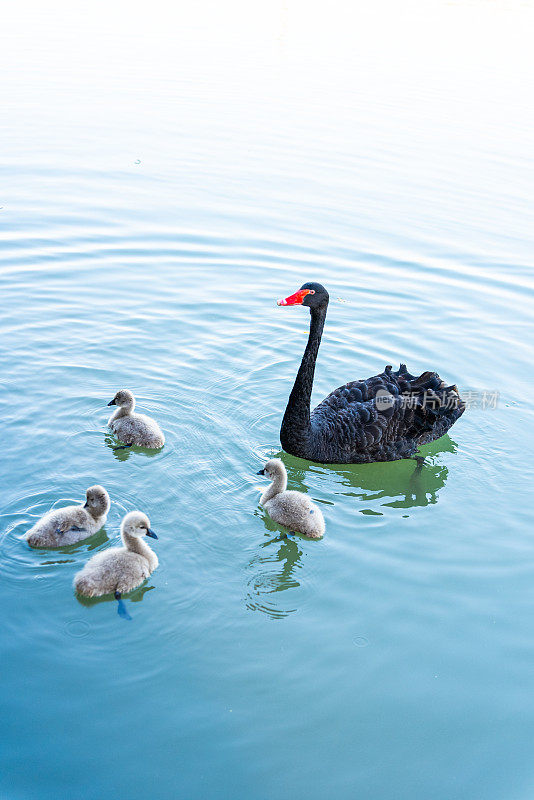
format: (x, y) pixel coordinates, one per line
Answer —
(112, 403)
(86, 504)
(260, 472)
(151, 533)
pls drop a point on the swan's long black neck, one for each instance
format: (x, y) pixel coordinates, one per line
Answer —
(296, 423)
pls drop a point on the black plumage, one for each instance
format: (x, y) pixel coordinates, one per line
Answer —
(383, 418)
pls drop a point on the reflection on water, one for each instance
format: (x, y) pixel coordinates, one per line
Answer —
(401, 482)
(397, 484)
(423, 487)
(136, 596)
(122, 452)
(273, 572)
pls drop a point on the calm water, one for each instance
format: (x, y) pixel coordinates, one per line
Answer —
(166, 173)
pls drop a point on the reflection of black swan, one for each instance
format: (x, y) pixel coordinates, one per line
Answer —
(383, 418)
(400, 486)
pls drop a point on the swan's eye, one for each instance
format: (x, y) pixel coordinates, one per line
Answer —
(311, 291)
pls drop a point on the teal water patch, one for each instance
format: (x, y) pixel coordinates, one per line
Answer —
(166, 176)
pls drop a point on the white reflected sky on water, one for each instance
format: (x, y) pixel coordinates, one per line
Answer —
(121, 57)
(233, 99)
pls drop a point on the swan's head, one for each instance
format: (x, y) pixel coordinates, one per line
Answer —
(273, 469)
(97, 502)
(124, 398)
(313, 295)
(137, 524)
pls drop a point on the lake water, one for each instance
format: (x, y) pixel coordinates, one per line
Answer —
(167, 172)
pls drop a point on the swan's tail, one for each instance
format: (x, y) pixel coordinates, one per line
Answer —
(434, 406)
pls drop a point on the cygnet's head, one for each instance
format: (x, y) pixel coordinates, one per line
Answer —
(124, 398)
(273, 469)
(137, 524)
(97, 502)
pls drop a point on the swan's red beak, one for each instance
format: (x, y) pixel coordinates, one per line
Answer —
(296, 299)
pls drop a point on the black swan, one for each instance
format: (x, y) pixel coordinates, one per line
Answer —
(383, 418)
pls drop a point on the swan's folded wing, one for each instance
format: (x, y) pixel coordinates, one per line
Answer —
(354, 428)
(385, 417)
(355, 392)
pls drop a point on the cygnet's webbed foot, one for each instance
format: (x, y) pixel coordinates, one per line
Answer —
(420, 462)
(122, 447)
(121, 610)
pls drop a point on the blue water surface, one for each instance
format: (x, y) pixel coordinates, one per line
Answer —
(166, 173)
